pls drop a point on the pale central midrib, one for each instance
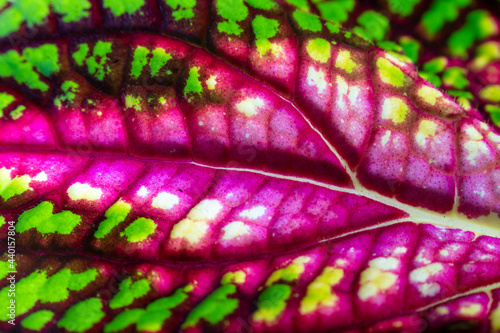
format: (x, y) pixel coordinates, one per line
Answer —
(487, 226)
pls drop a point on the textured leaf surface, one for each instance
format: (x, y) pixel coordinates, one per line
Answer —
(240, 166)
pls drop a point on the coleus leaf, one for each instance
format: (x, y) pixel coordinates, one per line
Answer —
(242, 166)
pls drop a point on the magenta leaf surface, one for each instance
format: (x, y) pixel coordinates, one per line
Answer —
(231, 166)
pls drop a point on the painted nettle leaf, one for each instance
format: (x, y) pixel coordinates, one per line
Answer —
(454, 43)
(245, 166)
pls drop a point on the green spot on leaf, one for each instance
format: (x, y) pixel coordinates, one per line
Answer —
(193, 84)
(455, 77)
(389, 73)
(440, 12)
(300, 4)
(42, 219)
(411, 48)
(140, 60)
(114, 216)
(10, 187)
(373, 25)
(17, 112)
(159, 59)
(5, 100)
(82, 316)
(129, 291)
(182, 9)
(319, 49)
(69, 88)
(45, 59)
(479, 25)
(139, 230)
(403, 8)
(271, 303)
(37, 320)
(214, 308)
(120, 7)
(307, 21)
(336, 10)
(264, 29)
(261, 4)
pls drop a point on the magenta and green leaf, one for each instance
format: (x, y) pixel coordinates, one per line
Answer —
(246, 166)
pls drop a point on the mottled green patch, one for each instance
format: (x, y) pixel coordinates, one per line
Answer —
(99, 68)
(262, 4)
(72, 10)
(5, 100)
(229, 27)
(440, 12)
(45, 59)
(271, 303)
(193, 84)
(182, 9)
(139, 230)
(10, 187)
(436, 65)
(344, 61)
(479, 25)
(403, 8)
(124, 320)
(336, 10)
(458, 93)
(490, 93)
(264, 29)
(42, 219)
(82, 316)
(129, 291)
(2, 222)
(300, 4)
(139, 61)
(214, 308)
(151, 319)
(159, 59)
(411, 48)
(133, 102)
(26, 293)
(289, 273)
(37, 287)
(307, 21)
(319, 292)
(120, 7)
(372, 25)
(232, 10)
(81, 53)
(37, 320)
(395, 109)
(17, 112)
(114, 216)
(237, 277)
(70, 89)
(158, 311)
(57, 287)
(485, 54)
(6, 266)
(389, 73)
(494, 112)
(319, 49)
(432, 78)
(10, 21)
(455, 77)
(334, 28)
(389, 46)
